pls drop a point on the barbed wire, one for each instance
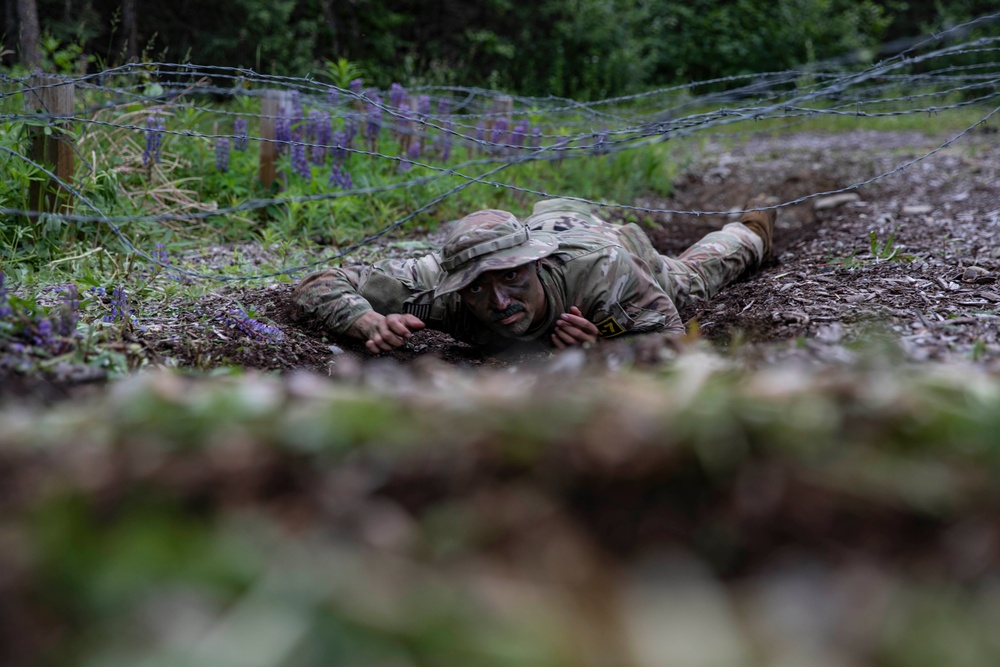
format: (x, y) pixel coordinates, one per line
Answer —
(911, 82)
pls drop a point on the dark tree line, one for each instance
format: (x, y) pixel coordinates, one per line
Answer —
(578, 48)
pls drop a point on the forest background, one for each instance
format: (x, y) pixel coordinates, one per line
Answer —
(584, 49)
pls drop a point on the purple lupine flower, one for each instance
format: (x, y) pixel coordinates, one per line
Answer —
(397, 94)
(5, 309)
(356, 86)
(423, 106)
(222, 154)
(339, 147)
(299, 161)
(120, 310)
(374, 126)
(536, 138)
(519, 134)
(319, 134)
(339, 177)
(405, 127)
(154, 140)
(498, 137)
(282, 129)
(242, 134)
(332, 98)
(69, 309)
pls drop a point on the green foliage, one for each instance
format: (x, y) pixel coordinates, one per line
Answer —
(586, 49)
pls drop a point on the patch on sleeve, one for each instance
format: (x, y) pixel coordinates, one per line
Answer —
(421, 310)
(609, 328)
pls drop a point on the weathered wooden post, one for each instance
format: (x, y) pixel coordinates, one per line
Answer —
(270, 109)
(51, 98)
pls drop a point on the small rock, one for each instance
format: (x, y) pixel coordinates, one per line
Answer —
(972, 273)
(833, 201)
(917, 209)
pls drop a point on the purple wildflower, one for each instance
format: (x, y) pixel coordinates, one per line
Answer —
(396, 95)
(120, 310)
(423, 106)
(242, 134)
(356, 86)
(340, 178)
(222, 154)
(42, 333)
(299, 162)
(154, 140)
(250, 326)
(332, 98)
(282, 129)
(321, 136)
(405, 128)
(519, 134)
(160, 254)
(498, 137)
(339, 150)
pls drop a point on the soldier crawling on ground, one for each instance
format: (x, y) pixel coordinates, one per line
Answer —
(562, 277)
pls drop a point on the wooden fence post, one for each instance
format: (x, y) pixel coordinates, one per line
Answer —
(52, 98)
(270, 109)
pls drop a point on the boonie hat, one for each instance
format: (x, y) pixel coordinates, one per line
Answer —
(486, 241)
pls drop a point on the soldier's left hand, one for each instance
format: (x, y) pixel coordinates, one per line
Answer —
(573, 329)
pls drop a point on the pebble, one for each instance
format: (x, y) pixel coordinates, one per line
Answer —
(973, 273)
(917, 209)
(834, 201)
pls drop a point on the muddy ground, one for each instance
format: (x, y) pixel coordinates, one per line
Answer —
(928, 292)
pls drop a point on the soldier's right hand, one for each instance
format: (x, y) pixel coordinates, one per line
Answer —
(385, 332)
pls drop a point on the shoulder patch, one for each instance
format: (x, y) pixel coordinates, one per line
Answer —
(609, 328)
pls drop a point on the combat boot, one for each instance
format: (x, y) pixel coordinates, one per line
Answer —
(761, 222)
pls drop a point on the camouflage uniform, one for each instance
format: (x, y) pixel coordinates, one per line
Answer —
(611, 273)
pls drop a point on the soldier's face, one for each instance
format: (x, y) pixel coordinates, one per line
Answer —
(508, 301)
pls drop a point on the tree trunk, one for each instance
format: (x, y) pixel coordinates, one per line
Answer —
(27, 16)
(130, 32)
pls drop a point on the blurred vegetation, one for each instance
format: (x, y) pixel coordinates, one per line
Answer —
(585, 49)
(528, 518)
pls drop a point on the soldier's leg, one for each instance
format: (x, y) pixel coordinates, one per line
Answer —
(720, 257)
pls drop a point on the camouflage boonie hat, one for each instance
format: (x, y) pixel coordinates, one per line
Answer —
(486, 241)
